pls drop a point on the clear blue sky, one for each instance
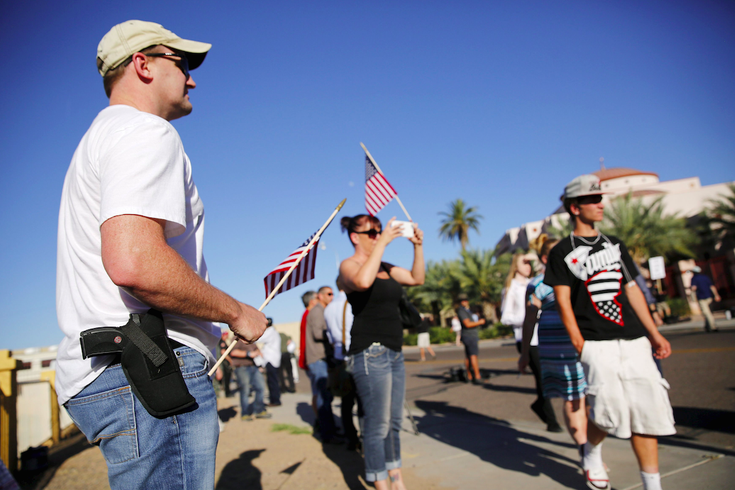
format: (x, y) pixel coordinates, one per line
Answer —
(499, 103)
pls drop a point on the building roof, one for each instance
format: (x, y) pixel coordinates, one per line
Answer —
(618, 172)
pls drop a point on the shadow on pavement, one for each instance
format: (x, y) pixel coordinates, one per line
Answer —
(240, 473)
(705, 418)
(350, 463)
(306, 413)
(496, 442)
(226, 414)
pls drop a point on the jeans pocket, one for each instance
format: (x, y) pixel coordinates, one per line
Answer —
(107, 419)
(375, 350)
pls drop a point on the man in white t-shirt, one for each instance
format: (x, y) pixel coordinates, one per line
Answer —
(130, 239)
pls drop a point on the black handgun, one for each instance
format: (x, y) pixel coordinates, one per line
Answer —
(101, 341)
(148, 361)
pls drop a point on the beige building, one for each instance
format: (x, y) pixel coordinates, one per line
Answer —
(686, 198)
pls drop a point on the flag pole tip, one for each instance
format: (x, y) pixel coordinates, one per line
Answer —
(341, 204)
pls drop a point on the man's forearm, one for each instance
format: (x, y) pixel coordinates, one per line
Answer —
(137, 258)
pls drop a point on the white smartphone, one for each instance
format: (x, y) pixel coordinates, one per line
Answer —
(407, 227)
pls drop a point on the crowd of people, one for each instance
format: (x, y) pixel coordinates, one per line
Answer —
(130, 253)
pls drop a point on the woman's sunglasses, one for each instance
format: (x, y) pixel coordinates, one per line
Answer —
(371, 233)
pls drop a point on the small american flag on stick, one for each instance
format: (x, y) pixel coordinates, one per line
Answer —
(378, 191)
(302, 273)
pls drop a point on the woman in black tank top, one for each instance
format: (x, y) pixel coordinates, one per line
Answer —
(374, 289)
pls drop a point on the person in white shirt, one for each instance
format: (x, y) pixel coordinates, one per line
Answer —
(130, 238)
(271, 350)
(338, 333)
(333, 314)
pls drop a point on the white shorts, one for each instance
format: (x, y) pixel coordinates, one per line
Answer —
(424, 340)
(626, 393)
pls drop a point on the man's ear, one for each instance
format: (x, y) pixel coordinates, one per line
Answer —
(142, 66)
(574, 208)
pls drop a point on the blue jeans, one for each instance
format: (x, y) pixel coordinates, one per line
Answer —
(318, 376)
(249, 377)
(380, 378)
(142, 451)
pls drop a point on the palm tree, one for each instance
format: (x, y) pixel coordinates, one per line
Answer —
(457, 223)
(476, 274)
(645, 230)
(720, 217)
(441, 285)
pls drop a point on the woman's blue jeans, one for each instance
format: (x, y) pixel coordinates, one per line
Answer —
(380, 378)
(143, 451)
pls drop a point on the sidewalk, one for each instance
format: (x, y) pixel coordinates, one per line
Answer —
(456, 449)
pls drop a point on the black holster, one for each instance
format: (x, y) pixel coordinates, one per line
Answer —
(148, 361)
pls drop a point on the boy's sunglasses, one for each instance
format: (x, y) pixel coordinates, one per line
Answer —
(371, 233)
(594, 199)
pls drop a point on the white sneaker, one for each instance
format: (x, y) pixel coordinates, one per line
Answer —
(597, 479)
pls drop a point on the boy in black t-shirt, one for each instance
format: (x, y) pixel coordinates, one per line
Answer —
(608, 321)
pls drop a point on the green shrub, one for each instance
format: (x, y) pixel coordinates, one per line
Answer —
(679, 307)
(441, 335)
(410, 339)
(495, 331)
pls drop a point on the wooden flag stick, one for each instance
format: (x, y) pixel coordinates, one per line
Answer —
(376, 166)
(283, 279)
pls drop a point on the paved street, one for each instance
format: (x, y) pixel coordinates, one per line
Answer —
(472, 437)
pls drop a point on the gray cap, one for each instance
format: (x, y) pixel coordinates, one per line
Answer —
(461, 297)
(584, 185)
(128, 38)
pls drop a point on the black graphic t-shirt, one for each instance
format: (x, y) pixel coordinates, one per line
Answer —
(597, 270)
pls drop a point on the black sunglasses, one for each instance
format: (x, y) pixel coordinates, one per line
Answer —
(371, 233)
(594, 199)
(182, 63)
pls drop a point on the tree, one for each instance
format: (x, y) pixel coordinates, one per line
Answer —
(564, 229)
(646, 230)
(457, 223)
(720, 215)
(441, 285)
(475, 273)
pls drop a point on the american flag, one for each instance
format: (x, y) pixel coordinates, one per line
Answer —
(604, 288)
(302, 273)
(378, 191)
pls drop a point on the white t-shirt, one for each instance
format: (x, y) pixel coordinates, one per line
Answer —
(513, 307)
(128, 162)
(270, 347)
(333, 317)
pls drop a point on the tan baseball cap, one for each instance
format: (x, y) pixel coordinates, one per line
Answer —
(128, 38)
(584, 185)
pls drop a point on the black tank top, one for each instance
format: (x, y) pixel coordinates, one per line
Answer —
(376, 314)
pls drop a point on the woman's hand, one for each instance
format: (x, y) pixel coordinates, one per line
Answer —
(389, 233)
(418, 235)
(522, 363)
